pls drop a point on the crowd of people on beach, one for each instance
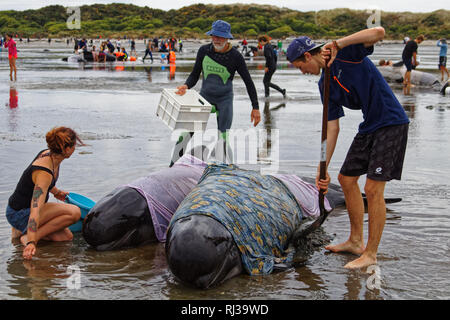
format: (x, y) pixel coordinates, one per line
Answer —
(378, 149)
(115, 48)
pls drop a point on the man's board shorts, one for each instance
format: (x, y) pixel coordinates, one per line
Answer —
(408, 64)
(378, 154)
(18, 219)
(442, 61)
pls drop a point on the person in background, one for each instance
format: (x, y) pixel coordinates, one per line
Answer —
(82, 45)
(171, 57)
(280, 45)
(148, 51)
(118, 45)
(102, 52)
(33, 218)
(379, 147)
(12, 56)
(110, 47)
(219, 61)
(123, 56)
(409, 57)
(244, 46)
(95, 53)
(133, 48)
(271, 66)
(155, 43)
(384, 63)
(442, 43)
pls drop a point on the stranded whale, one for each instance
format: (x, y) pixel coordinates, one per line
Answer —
(204, 250)
(139, 212)
(239, 221)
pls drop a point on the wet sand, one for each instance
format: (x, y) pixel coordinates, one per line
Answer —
(113, 108)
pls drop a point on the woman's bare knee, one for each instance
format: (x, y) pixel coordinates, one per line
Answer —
(75, 213)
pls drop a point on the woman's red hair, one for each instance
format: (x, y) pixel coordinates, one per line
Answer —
(60, 138)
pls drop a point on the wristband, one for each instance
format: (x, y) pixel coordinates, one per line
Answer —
(33, 242)
(336, 45)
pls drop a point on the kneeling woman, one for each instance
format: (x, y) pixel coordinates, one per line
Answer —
(29, 213)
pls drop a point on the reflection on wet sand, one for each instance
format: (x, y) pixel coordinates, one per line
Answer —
(13, 97)
(32, 278)
(269, 123)
(148, 70)
(12, 105)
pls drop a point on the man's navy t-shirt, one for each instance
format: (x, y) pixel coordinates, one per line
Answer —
(357, 84)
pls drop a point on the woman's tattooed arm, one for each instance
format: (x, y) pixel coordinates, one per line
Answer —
(32, 225)
(37, 192)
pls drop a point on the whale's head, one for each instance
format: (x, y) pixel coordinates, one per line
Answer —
(120, 219)
(201, 252)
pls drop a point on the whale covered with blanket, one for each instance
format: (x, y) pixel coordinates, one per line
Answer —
(217, 220)
(139, 212)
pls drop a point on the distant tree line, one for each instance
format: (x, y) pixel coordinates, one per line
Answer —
(114, 20)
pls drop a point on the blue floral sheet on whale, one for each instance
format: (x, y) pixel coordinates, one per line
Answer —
(258, 210)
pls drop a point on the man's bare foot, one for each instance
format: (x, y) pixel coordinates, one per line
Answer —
(347, 246)
(364, 261)
(15, 233)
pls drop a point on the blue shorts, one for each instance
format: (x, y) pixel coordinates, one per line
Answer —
(18, 219)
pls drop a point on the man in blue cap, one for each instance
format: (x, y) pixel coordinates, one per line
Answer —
(219, 61)
(378, 148)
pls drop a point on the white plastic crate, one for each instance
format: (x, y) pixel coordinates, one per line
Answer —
(189, 112)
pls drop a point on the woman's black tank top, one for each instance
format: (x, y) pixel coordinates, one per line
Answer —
(21, 198)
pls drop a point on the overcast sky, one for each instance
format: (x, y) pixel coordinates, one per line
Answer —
(305, 5)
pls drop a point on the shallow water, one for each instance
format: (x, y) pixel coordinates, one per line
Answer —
(113, 108)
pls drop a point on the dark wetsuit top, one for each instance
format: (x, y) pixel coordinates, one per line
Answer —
(232, 60)
(271, 57)
(21, 198)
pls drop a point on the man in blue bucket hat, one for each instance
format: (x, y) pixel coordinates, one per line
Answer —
(218, 61)
(378, 148)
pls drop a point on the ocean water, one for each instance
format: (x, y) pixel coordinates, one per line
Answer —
(113, 107)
